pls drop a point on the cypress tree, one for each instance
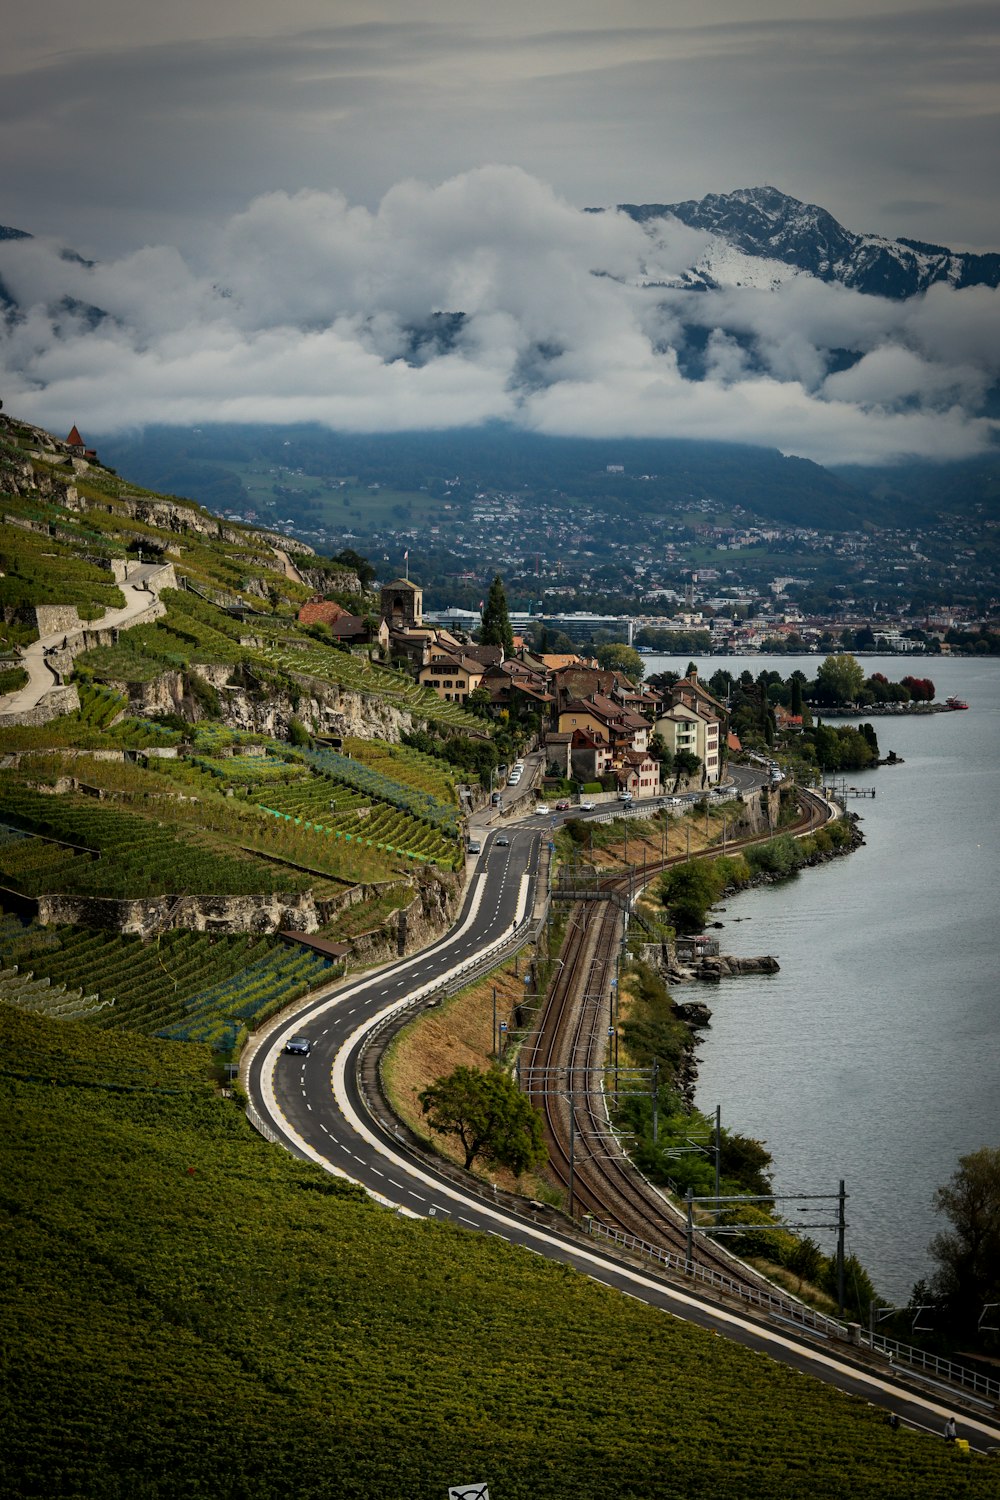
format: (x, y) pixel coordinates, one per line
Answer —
(496, 629)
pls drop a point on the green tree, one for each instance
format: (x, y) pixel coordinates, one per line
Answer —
(358, 564)
(496, 629)
(840, 679)
(687, 892)
(968, 1254)
(618, 657)
(686, 763)
(490, 1116)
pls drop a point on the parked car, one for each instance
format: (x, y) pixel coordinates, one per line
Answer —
(301, 1046)
(474, 847)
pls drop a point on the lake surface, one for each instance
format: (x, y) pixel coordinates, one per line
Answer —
(874, 1055)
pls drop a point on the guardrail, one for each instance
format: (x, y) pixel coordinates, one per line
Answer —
(933, 1366)
(794, 1312)
(970, 1382)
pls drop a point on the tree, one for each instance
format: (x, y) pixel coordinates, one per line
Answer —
(358, 564)
(490, 1116)
(618, 657)
(840, 680)
(687, 892)
(496, 629)
(968, 1254)
(686, 764)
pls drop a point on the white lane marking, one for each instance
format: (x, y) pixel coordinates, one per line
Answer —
(376, 1171)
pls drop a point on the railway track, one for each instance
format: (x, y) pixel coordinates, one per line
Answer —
(566, 1070)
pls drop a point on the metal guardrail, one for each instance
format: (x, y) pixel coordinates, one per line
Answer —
(805, 1319)
(801, 1316)
(933, 1366)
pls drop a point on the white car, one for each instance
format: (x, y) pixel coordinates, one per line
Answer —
(586, 807)
(543, 807)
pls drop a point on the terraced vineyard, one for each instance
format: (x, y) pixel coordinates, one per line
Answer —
(187, 1311)
(87, 848)
(186, 986)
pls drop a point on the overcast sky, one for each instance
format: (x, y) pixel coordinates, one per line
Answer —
(219, 133)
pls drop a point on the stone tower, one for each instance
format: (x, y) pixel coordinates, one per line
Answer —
(402, 604)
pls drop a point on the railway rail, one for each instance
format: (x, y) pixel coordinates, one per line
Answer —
(565, 1068)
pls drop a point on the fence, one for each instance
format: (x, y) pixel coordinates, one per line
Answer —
(931, 1366)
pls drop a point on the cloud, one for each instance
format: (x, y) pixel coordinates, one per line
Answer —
(488, 296)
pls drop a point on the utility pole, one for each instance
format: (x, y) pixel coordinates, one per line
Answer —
(841, 1226)
(494, 1020)
(690, 1228)
(572, 1149)
(718, 1151)
(688, 820)
(656, 1102)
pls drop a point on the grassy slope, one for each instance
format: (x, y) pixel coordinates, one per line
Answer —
(188, 1311)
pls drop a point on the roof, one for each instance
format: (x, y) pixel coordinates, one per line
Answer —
(403, 583)
(75, 440)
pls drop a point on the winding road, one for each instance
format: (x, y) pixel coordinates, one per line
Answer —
(315, 1106)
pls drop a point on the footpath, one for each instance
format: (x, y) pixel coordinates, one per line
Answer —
(48, 660)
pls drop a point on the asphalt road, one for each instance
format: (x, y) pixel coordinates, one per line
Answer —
(313, 1106)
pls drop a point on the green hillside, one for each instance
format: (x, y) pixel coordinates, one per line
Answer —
(188, 1311)
(155, 788)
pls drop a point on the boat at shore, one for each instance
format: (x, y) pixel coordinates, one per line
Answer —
(955, 703)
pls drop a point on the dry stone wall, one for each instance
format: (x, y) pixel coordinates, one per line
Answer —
(258, 914)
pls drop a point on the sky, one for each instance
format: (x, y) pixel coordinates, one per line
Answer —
(274, 195)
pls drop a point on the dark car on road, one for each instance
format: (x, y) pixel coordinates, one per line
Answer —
(501, 841)
(300, 1045)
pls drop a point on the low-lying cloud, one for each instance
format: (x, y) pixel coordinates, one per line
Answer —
(488, 297)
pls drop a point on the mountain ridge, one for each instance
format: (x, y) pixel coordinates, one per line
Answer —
(765, 223)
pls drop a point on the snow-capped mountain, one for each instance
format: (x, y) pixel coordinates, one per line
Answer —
(761, 237)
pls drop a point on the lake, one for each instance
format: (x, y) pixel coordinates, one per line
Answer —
(873, 1055)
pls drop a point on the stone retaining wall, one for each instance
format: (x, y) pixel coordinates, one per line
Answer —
(259, 914)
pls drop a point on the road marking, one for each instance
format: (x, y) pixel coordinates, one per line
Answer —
(376, 1171)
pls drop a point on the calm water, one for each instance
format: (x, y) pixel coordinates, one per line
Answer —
(874, 1054)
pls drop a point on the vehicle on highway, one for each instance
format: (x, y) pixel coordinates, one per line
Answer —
(301, 1046)
(587, 806)
(563, 805)
(543, 807)
(625, 797)
(501, 841)
(474, 847)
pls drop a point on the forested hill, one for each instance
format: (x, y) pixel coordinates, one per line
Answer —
(655, 475)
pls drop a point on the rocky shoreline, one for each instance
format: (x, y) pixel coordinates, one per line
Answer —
(712, 968)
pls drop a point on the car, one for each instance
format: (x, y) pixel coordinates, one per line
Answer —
(563, 805)
(625, 797)
(543, 807)
(501, 841)
(301, 1046)
(514, 778)
(586, 807)
(474, 847)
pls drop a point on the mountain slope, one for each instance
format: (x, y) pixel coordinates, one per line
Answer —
(764, 224)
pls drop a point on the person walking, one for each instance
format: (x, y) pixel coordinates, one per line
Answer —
(950, 1430)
